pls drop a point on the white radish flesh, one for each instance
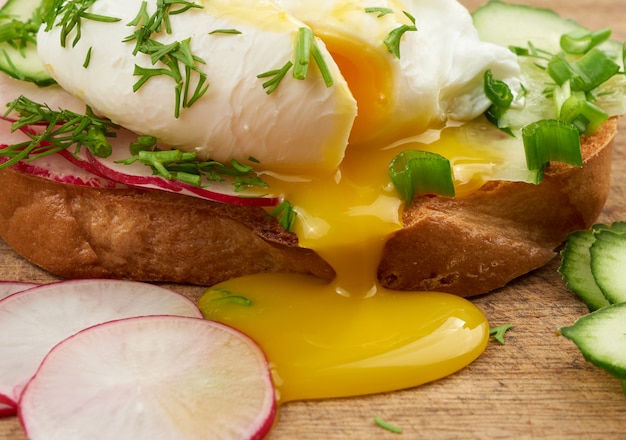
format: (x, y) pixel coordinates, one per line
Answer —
(35, 320)
(10, 287)
(159, 377)
(54, 166)
(141, 176)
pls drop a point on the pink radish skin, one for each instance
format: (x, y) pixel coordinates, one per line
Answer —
(139, 175)
(87, 170)
(97, 172)
(158, 377)
(10, 287)
(52, 167)
(35, 320)
(7, 406)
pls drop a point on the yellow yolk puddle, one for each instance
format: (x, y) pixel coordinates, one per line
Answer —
(351, 336)
(322, 345)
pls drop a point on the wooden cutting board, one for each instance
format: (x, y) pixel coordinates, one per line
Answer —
(536, 386)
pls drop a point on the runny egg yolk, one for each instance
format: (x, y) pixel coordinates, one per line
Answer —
(367, 71)
(351, 336)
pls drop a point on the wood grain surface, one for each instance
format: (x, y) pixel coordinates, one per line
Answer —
(536, 386)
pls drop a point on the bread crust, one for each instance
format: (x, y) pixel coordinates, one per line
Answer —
(475, 244)
(466, 246)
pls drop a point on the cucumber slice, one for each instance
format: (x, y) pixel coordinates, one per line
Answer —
(575, 269)
(509, 24)
(518, 25)
(601, 338)
(19, 21)
(608, 260)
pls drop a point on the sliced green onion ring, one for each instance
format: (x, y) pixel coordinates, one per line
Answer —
(551, 140)
(586, 116)
(580, 41)
(303, 53)
(501, 97)
(421, 172)
(586, 73)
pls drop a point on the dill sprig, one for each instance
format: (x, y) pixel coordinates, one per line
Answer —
(286, 215)
(395, 36)
(186, 167)
(175, 59)
(68, 14)
(380, 11)
(19, 34)
(61, 130)
(275, 77)
(21, 31)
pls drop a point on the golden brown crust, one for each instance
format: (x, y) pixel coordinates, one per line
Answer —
(78, 232)
(475, 244)
(465, 246)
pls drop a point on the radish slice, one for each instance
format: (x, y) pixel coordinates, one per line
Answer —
(10, 287)
(53, 96)
(7, 406)
(51, 167)
(141, 176)
(57, 168)
(151, 377)
(35, 320)
(88, 170)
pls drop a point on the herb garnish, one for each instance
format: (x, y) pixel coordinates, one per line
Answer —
(61, 130)
(18, 33)
(286, 215)
(395, 36)
(65, 130)
(171, 56)
(501, 97)
(225, 31)
(575, 72)
(414, 172)
(186, 167)
(380, 11)
(87, 58)
(388, 426)
(498, 333)
(18, 41)
(276, 76)
(225, 296)
(573, 77)
(71, 13)
(306, 48)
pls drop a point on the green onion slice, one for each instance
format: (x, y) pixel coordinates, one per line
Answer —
(584, 115)
(580, 41)
(500, 95)
(421, 172)
(586, 73)
(551, 140)
(303, 53)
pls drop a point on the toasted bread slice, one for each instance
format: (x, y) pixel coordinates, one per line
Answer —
(466, 246)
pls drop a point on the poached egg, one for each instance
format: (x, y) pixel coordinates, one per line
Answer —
(376, 97)
(325, 148)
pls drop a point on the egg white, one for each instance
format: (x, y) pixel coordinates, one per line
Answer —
(439, 75)
(303, 123)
